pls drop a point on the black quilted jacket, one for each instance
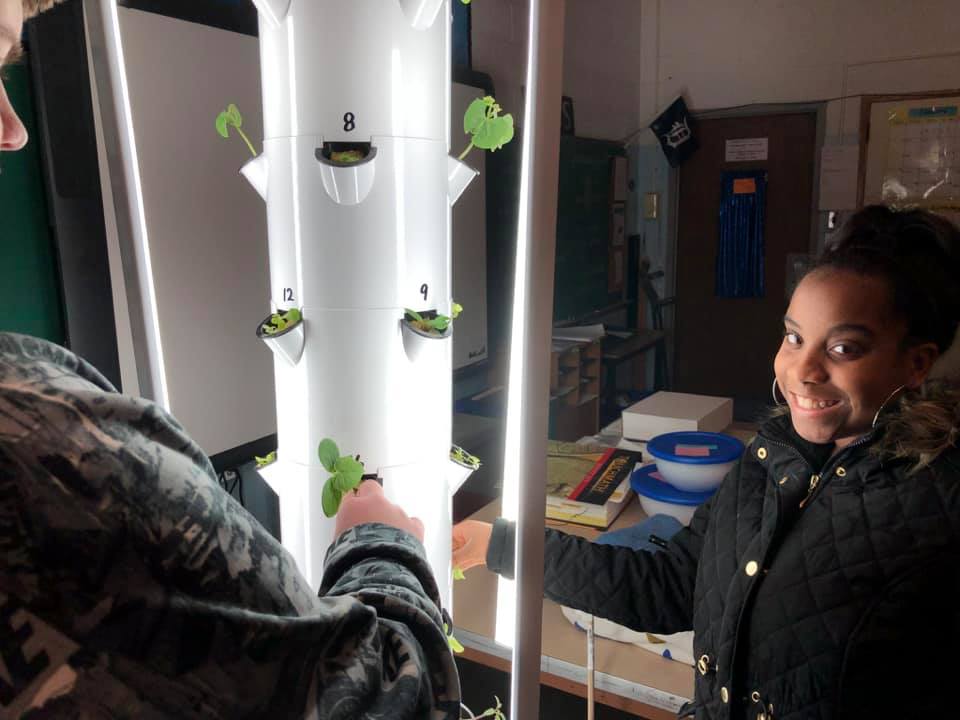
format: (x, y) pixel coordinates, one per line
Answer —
(829, 592)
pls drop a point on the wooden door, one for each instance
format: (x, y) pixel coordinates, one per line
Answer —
(725, 346)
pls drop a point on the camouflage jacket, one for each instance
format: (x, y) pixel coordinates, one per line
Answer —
(133, 586)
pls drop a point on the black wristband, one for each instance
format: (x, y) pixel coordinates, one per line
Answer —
(501, 551)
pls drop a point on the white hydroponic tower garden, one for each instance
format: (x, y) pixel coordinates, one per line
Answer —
(354, 243)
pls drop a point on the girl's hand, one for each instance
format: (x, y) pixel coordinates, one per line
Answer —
(471, 538)
(369, 505)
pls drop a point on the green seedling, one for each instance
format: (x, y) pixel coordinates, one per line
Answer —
(495, 712)
(348, 156)
(346, 473)
(437, 324)
(231, 118)
(262, 462)
(451, 640)
(462, 457)
(279, 322)
(487, 128)
(458, 574)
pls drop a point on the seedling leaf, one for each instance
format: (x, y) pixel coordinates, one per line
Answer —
(264, 461)
(340, 483)
(475, 116)
(348, 156)
(221, 124)
(451, 640)
(330, 499)
(329, 453)
(494, 133)
(233, 114)
(281, 321)
(495, 712)
(350, 472)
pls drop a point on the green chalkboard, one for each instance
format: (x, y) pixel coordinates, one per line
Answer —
(29, 281)
(583, 227)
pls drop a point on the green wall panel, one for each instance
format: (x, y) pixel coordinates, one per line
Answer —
(583, 227)
(29, 281)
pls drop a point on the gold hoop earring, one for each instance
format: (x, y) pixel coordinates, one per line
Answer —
(884, 404)
(773, 391)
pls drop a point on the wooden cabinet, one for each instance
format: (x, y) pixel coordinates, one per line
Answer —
(575, 389)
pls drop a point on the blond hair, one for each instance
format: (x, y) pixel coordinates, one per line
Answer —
(35, 7)
(925, 424)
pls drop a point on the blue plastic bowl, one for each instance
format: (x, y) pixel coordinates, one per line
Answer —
(695, 461)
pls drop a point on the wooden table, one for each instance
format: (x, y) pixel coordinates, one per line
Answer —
(628, 677)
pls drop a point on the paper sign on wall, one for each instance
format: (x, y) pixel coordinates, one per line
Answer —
(838, 177)
(746, 149)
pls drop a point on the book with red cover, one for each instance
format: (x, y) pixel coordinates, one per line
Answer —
(605, 477)
(588, 484)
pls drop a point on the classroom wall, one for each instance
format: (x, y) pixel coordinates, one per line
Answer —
(600, 57)
(739, 52)
(734, 52)
(624, 60)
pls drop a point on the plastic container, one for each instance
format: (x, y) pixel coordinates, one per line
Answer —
(694, 461)
(660, 498)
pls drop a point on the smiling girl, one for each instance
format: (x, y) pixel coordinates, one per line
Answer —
(822, 580)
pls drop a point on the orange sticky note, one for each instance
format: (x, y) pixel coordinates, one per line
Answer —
(744, 186)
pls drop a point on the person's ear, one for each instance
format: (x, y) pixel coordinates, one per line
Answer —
(920, 359)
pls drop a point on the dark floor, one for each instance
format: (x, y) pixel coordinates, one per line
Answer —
(480, 683)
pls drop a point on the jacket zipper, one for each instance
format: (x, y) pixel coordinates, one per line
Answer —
(814, 481)
(815, 478)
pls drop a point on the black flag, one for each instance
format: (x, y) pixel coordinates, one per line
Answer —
(674, 129)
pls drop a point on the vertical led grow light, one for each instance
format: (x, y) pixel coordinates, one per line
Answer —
(107, 51)
(518, 623)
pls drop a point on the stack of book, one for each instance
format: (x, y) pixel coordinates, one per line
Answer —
(588, 484)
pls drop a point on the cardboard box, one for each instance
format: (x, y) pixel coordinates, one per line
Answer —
(665, 412)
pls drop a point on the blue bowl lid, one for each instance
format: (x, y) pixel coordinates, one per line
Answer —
(647, 482)
(695, 448)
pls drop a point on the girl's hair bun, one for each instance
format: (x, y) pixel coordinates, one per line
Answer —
(918, 253)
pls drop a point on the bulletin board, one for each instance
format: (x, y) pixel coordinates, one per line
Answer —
(910, 152)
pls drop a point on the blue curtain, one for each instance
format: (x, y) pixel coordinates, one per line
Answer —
(740, 251)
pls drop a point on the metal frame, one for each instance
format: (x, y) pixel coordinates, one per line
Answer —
(107, 60)
(533, 311)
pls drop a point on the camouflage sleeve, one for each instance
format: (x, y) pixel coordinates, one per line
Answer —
(133, 586)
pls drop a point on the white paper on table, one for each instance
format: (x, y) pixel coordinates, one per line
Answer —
(679, 645)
